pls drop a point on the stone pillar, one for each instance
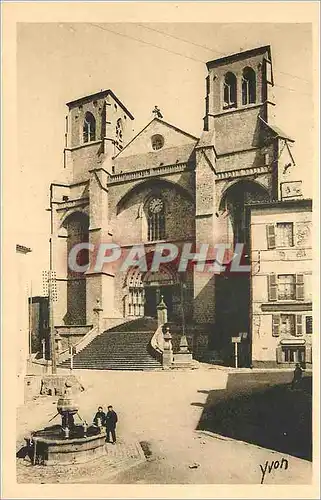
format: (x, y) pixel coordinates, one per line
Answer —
(162, 312)
(58, 343)
(168, 350)
(99, 283)
(183, 345)
(183, 358)
(204, 301)
(98, 315)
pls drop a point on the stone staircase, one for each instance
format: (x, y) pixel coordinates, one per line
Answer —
(125, 347)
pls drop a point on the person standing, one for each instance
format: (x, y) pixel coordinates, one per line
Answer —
(111, 421)
(100, 417)
(297, 376)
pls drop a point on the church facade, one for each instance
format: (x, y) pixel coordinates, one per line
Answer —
(165, 186)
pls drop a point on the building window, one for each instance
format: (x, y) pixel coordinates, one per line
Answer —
(119, 133)
(229, 91)
(89, 128)
(248, 86)
(284, 234)
(287, 324)
(136, 300)
(157, 142)
(279, 235)
(293, 354)
(156, 219)
(308, 324)
(285, 287)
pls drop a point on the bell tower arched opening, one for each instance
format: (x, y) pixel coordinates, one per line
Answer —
(233, 206)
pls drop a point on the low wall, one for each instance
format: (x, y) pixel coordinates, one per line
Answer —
(54, 385)
(108, 323)
(71, 334)
(32, 386)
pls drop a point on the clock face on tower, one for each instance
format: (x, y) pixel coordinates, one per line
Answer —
(156, 205)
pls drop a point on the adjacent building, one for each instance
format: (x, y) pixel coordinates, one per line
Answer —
(39, 318)
(281, 258)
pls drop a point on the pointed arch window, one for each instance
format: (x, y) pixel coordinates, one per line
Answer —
(89, 128)
(156, 219)
(229, 91)
(248, 86)
(119, 133)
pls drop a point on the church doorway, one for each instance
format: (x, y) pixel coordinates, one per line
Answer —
(153, 296)
(145, 291)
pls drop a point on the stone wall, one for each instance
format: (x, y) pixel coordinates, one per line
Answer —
(130, 224)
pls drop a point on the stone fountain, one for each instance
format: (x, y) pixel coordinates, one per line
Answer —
(68, 443)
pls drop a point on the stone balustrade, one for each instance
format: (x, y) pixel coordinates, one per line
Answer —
(147, 172)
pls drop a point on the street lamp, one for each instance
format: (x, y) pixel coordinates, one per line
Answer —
(183, 344)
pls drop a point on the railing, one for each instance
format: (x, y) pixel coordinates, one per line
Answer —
(157, 344)
(65, 355)
(148, 172)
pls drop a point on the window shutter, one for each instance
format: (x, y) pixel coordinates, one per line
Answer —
(272, 286)
(270, 235)
(308, 353)
(279, 355)
(300, 287)
(298, 325)
(308, 325)
(276, 320)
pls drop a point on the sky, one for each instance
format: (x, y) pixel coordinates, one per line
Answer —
(145, 65)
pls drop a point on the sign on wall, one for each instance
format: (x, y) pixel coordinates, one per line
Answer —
(291, 189)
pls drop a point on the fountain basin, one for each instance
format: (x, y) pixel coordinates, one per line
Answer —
(50, 447)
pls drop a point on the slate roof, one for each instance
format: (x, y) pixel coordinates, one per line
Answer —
(280, 133)
(99, 95)
(240, 55)
(277, 131)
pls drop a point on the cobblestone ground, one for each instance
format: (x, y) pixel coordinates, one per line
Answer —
(161, 409)
(118, 458)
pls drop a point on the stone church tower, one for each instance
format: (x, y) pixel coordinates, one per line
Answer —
(240, 159)
(165, 185)
(97, 128)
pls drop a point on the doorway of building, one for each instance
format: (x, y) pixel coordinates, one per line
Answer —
(146, 289)
(153, 295)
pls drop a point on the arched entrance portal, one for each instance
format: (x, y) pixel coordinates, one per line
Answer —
(234, 202)
(232, 290)
(145, 289)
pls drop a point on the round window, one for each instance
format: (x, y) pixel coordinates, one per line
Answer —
(157, 141)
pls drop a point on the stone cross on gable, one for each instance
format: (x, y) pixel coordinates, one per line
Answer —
(157, 112)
